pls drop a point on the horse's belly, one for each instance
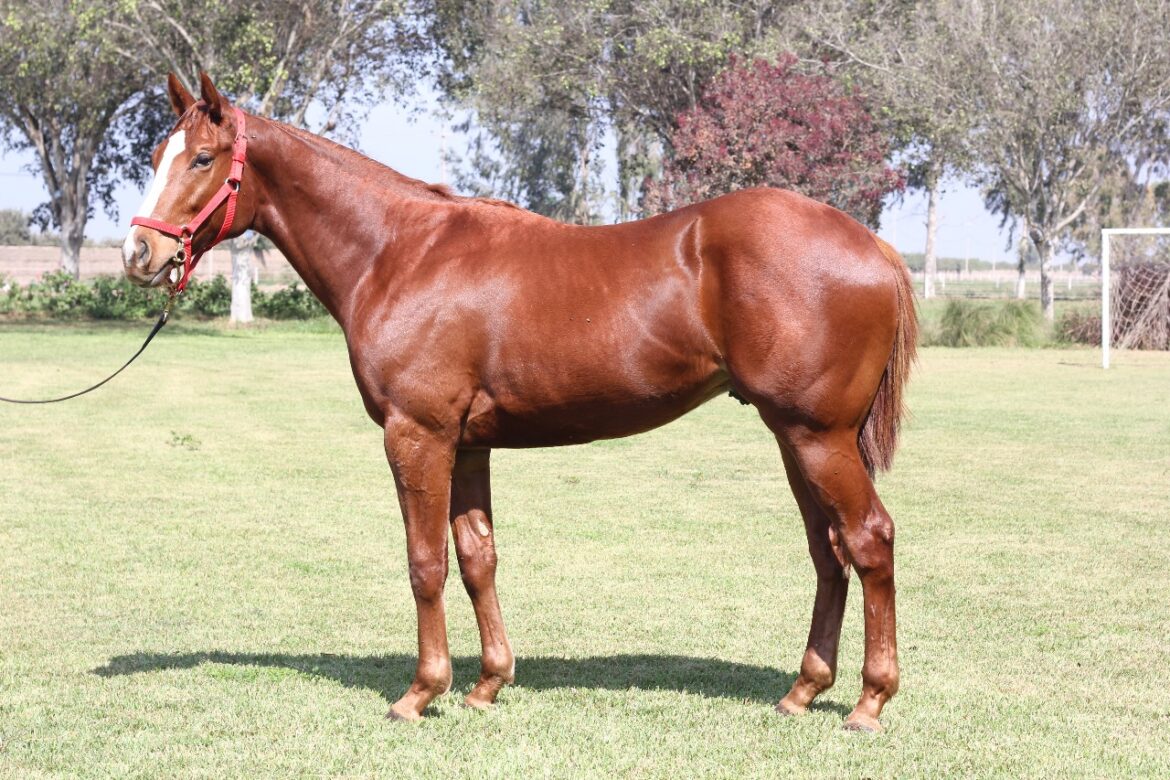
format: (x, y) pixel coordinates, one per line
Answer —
(541, 419)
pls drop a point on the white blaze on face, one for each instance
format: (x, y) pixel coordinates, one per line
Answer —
(175, 146)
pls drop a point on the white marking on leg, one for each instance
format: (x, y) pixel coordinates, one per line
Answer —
(175, 145)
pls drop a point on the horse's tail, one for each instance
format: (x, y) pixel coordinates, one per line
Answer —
(878, 438)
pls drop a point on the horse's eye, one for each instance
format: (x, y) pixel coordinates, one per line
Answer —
(202, 160)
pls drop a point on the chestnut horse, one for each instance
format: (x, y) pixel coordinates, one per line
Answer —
(474, 324)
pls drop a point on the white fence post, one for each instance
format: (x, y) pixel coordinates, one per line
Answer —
(1106, 325)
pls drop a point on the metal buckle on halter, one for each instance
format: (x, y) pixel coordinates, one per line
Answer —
(233, 183)
(180, 256)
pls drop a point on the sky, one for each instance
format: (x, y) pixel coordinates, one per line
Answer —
(410, 142)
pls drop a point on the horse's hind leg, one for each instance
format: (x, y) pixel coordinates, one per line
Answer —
(471, 520)
(818, 668)
(833, 470)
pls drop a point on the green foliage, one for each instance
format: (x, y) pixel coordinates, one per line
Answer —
(209, 299)
(280, 58)
(289, 303)
(115, 298)
(59, 296)
(14, 227)
(991, 324)
(65, 84)
(548, 80)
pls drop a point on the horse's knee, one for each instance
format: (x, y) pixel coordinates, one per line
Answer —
(428, 575)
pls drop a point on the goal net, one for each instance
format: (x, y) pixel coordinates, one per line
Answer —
(1135, 289)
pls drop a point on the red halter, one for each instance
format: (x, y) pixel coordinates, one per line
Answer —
(229, 191)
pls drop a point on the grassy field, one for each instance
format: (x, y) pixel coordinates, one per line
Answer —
(202, 573)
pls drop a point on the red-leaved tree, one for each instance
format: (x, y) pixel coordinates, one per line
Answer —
(764, 124)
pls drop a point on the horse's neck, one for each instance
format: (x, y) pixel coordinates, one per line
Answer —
(324, 207)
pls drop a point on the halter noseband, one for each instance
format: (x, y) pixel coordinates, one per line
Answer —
(229, 191)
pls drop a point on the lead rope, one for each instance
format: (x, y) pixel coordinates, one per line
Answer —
(162, 320)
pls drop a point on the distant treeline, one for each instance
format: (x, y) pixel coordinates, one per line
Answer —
(915, 261)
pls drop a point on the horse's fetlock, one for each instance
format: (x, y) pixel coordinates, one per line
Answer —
(881, 680)
(435, 677)
(499, 664)
(817, 673)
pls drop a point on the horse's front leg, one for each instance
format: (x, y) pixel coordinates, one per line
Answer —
(471, 521)
(422, 460)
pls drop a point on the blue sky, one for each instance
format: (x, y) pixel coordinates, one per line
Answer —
(410, 141)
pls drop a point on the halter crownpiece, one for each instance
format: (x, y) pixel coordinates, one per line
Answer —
(229, 191)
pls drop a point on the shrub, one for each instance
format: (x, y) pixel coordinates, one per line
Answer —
(208, 299)
(57, 295)
(1000, 324)
(291, 303)
(1079, 326)
(115, 298)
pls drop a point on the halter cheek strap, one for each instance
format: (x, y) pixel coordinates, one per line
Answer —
(229, 192)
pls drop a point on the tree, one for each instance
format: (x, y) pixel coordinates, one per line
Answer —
(526, 72)
(1068, 92)
(14, 227)
(894, 48)
(317, 65)
(63, 88)
(547, 81)
(759, 123)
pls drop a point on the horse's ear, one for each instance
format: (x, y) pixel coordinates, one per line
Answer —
(211, 97)
(181, 99)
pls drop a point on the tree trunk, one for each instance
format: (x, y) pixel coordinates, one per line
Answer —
(930, 258)
(72, 237)
(241, 281)
(1046, 250)
(583, 215)
(1021, 279)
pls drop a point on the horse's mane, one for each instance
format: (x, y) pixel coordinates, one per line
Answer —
(353, 159)
(445, 192)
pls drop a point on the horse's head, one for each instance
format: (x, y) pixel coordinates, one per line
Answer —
(190, 166)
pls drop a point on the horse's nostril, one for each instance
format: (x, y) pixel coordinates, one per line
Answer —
(143, 252)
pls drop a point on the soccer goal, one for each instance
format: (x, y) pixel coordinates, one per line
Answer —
(1144, 308)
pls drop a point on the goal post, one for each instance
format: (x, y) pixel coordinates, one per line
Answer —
(1106, 296)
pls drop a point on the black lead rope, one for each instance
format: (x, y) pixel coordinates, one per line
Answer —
(162, 320)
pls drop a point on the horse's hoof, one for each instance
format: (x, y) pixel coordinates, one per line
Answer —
(863, 723)
(475, 703)
(787, 708)
(406, 716)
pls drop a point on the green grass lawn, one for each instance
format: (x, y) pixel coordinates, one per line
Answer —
(202, 573)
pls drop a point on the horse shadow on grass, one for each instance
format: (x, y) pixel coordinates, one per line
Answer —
(389, 675)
